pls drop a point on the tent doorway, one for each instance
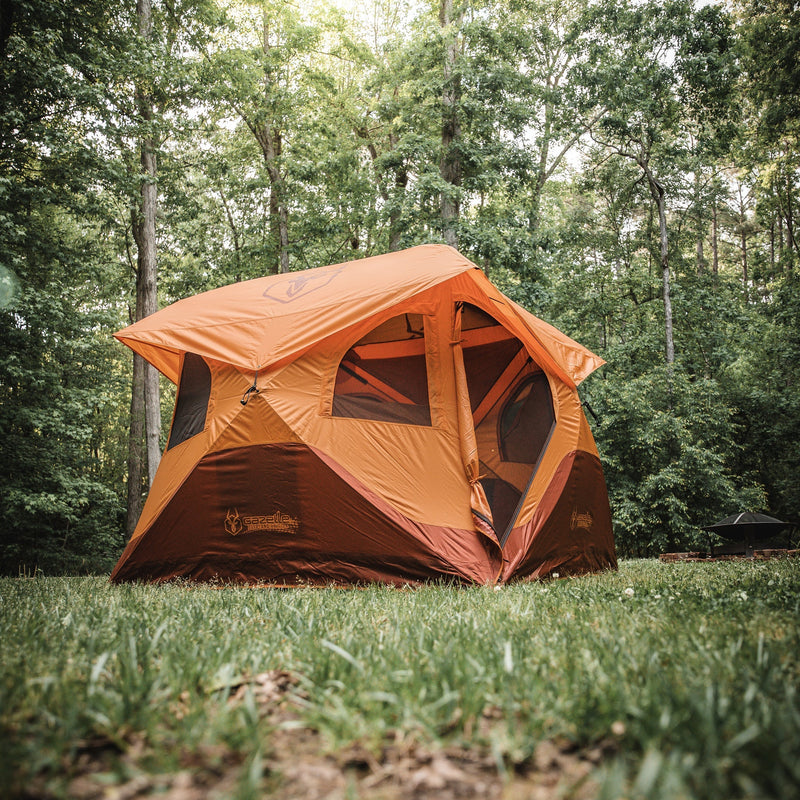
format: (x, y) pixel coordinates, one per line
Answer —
(512, 412)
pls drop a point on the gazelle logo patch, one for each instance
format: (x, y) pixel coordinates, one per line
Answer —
(233, 522)
(581, 520)
(277, 522)
(293, 285)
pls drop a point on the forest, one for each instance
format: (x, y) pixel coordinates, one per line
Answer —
(627, 170)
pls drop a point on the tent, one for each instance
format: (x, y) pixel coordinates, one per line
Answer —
(392, 419)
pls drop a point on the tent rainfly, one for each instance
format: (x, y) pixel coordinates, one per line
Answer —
(392, 419)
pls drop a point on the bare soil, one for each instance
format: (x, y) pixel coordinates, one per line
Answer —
(299, 766)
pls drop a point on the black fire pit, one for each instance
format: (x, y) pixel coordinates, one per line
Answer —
(746, 530)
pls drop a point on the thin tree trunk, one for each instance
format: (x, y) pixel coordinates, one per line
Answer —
(450, 162)
(701, 259)
(147, 277)
(772, 246)
(743, 237)
(237, 246)
(545, 166)
(279, 213)
(400, 183)
(270, 139)
(270, 142)
(790, 239)
(395, 230)
(145, 235)
(534, 207)
(714, 241)
(701, 228)
(657, 192)
(135, 448)
(145, 419)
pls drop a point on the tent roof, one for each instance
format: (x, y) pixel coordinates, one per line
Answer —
(261, 322)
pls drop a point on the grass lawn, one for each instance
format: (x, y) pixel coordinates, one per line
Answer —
(661, 680)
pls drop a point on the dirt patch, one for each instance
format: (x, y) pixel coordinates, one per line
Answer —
(451, 773)
(754, 555)
(296, 765)
(298, 770)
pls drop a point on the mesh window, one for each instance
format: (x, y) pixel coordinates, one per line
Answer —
(485, 358)
(384, 375)
(191, 404)
(527, 420)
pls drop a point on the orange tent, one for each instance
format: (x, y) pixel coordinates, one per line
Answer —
(391, 419)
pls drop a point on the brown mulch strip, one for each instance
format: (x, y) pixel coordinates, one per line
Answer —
(758, 555)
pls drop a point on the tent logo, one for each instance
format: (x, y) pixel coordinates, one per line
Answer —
(233, 523)
(299, 284)
(278, 522)
(581, 520)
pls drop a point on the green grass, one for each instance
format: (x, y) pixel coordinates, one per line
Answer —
(686, 674)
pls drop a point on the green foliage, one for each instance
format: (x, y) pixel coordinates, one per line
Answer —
(59, 508)
(59, 504)
(668, 443)
(771, 30)
(762, 384)
(552, 100)
(684, 673)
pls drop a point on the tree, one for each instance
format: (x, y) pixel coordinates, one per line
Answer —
(771, 142)
(664, 92)
(260, 73)
(762, 383)
(450, 19)
(59, 468)
(644, 120)
(145, 413)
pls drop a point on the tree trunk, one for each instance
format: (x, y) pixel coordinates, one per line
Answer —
(450, 162)
(546, 165)
(270, 142)
(395, 228)
(790, 238)
(270, 139)
(135, 449)
(714, 241)
(701, 258)
(146, 274)
(145, 420)
(400, 183)
(145, 235)
(744, 254)
(772, 246)
(237, 245)
(700, 225)
(657, 192)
